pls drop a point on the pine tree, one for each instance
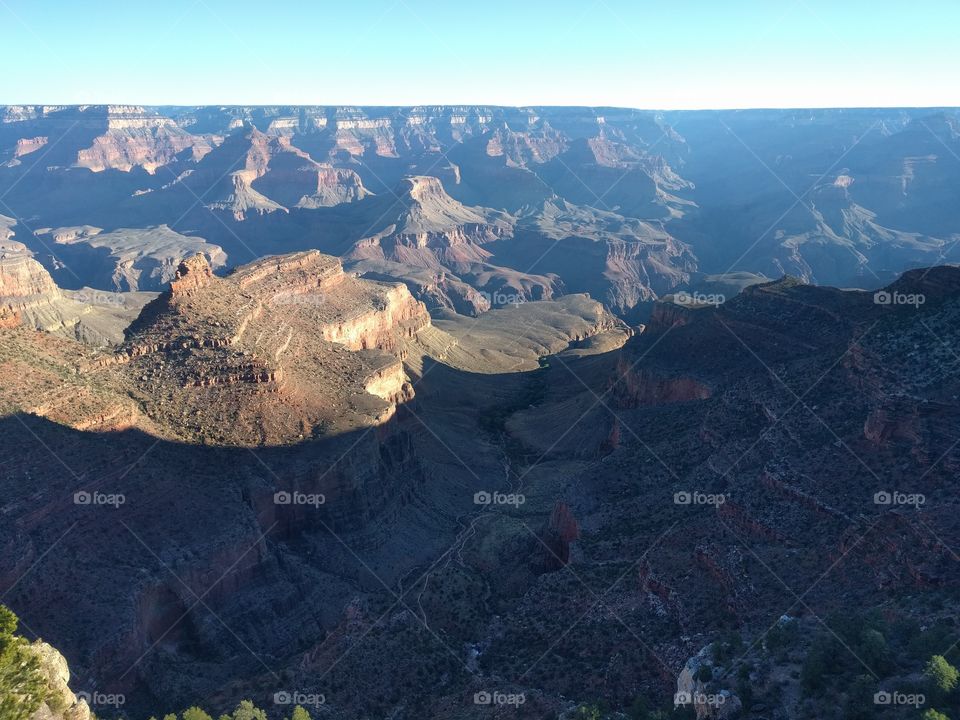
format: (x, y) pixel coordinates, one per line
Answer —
(22, 685)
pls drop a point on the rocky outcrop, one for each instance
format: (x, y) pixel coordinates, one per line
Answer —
(9, 318)
(192, 274)
(61, 703)
(707, 699)
(25, 281)
(6, 232)
(240, 199)
(666, 315)
(391, 384)
(289, 344)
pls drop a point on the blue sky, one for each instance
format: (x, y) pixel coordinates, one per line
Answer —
(665, 54)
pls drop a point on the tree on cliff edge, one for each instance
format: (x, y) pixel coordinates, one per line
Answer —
(22, 687)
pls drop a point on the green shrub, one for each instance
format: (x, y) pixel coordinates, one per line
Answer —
(246, 710)
(941, 675)
(23, 687)
(300, 714)
(195, 713)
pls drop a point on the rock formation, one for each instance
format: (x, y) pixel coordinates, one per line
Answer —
(62, 703)
(29, 295)
(422, 226)
(283, 335)
(134, 137)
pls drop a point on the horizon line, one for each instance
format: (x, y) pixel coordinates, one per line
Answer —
(479, 105)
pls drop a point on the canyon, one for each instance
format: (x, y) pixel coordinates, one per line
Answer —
(401, 406)
(626, 205)
(795, 404)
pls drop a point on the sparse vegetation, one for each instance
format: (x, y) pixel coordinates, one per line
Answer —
(246, 710)
(22, 685)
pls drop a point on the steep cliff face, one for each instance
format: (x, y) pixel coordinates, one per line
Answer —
(23, 278)
(640, 271)
(561, 531)
(666, 315)
(135, 137)
(331, 186)
(398, 316)
(29, 295)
